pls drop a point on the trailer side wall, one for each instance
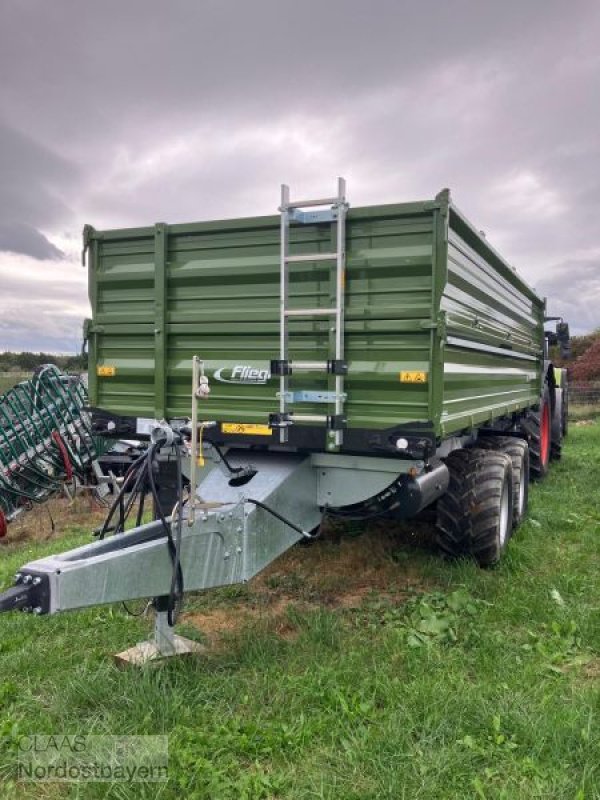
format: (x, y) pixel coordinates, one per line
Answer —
(493, 350)
(424, 296)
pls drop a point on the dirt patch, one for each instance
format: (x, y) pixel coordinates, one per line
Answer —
(591, 670)
(337, 575)
(216, 624)
(353, 599)
(339, 572)
(53, 518)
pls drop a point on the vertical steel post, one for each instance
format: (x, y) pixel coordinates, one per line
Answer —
(340, 285)
(441, 222)
(93, 266)
(194, 440)
(160, 320)
(164, 634)
(283, 302)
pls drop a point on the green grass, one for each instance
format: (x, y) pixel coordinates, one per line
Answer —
(487, 686)
(8, 379)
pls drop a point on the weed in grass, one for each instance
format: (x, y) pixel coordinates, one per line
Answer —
(433, 618)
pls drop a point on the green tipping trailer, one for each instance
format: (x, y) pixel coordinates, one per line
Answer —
(328, 362)
(441, 334)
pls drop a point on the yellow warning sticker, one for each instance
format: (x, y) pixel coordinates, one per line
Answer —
(247, 428)
(413, 377)
(106, 371)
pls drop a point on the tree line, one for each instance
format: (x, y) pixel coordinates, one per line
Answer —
(29, 362)
(584, 364)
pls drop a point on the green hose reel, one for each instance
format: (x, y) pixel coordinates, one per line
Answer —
(45, 440)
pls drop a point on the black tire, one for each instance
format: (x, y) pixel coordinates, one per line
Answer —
(474, 517)
(539, 442)
(557, 426)
(518, 451)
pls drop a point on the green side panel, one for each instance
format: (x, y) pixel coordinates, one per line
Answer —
(424, 293)
(493, 351)
(221, 284)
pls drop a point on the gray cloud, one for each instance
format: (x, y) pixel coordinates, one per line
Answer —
(18, 237)
(127, 113)
(573, 289)
(33, 181)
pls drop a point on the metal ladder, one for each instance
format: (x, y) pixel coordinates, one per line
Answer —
(335, 365)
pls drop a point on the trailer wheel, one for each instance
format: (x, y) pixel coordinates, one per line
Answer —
(518, 451)
(557, 426)
(474, 517)
(537, 425)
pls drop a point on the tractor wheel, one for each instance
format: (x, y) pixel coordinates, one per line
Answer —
(474, 517)
(518, 451)
(538, 429)
(556, 434)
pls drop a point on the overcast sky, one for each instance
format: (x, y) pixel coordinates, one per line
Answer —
(128, 112)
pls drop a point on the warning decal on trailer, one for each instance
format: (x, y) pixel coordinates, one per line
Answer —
(241, 427)
(413, 377)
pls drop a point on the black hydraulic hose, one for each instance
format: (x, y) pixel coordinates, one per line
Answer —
(135, 490)
(141, 474)
(149, 455)
(131, 471)
(176, 591)
(121, 522)
(116, 502)
(292, 525)
(131, 613)
(140, 511)
(354, 513)
(378, 506)
(167, 528)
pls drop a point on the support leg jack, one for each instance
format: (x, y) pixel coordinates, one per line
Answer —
(164, 644)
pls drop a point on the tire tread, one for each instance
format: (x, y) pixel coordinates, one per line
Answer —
(468, 514)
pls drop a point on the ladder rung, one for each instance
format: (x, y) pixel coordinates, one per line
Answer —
(311, 257)
(310, 418)
(324, 201)
(309, 312)
(306, 366)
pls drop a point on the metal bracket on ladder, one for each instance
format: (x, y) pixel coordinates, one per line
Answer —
(335, 365)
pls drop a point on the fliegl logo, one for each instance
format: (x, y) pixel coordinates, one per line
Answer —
(241, 373)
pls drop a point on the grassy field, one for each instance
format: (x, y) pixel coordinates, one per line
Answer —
(8, 379)
(366, 668)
